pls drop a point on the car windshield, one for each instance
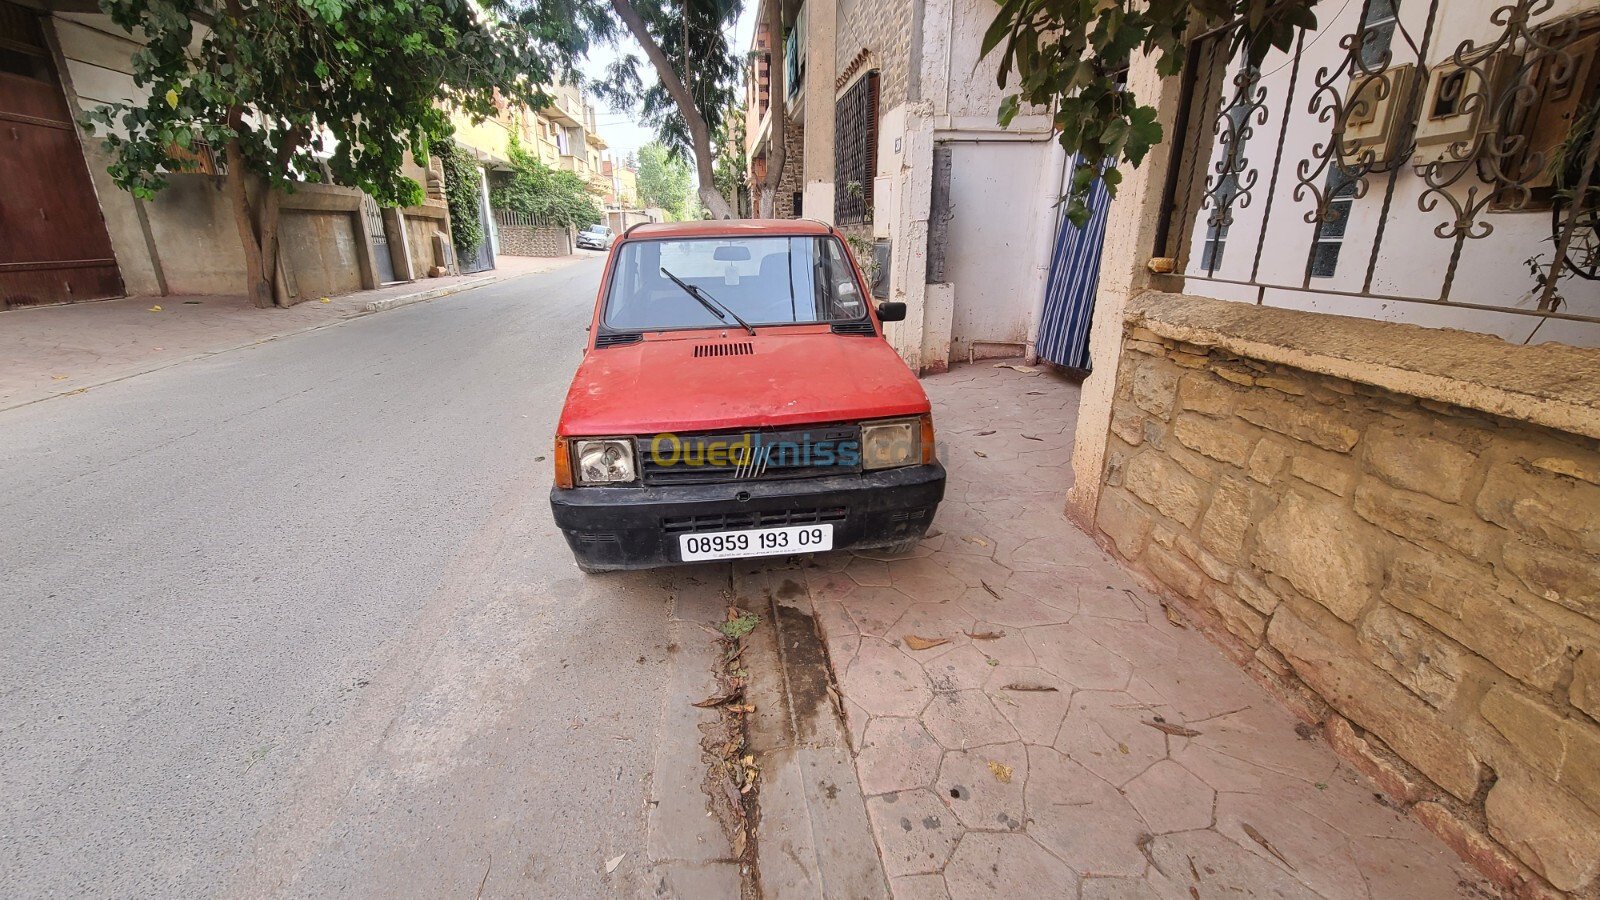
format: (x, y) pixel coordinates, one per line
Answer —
(764, 281)
(596, 229)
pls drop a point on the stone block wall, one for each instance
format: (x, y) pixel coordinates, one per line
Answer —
(881, 30)
(535, 240)
(792, 181)
(1420, 579)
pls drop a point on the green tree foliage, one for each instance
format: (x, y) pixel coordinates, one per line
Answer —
(463, 186)
(1069, 56)
(550, 196)
(664, 180)
(697, 78)
(279, 86)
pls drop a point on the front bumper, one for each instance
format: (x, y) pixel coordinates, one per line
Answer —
(638, 527)
(591, 245)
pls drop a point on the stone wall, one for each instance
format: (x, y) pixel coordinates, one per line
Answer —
(874, 34)
(535, 240)
(1419, 578)
(792, 181)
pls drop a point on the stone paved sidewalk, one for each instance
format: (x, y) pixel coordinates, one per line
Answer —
(1067, 739)
(54, 350)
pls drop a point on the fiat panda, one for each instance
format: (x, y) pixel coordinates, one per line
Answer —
(737, 399)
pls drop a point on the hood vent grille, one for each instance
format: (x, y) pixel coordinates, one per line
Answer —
(861, 328)
(616, 339)
(742, 348)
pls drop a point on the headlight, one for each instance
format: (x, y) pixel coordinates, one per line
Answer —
(885, 445)
(604, 462)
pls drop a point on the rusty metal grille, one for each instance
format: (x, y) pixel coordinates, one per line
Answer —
(855, 150)
(1415, 135)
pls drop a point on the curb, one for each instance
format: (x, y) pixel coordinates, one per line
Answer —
(388, 303)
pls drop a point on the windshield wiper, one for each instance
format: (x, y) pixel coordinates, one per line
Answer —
(711, 303)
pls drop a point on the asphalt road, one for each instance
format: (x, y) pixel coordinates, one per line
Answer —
(294, 620)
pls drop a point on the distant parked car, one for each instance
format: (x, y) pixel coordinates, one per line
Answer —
(596, 237)
(737, 398)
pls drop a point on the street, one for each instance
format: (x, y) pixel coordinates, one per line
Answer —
(294, 620)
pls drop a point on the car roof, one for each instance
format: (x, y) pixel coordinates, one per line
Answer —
(728, 228)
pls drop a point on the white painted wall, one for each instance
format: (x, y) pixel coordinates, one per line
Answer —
(1004, 184)
(1412, 260)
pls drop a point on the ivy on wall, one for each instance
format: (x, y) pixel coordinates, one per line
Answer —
(463, 185)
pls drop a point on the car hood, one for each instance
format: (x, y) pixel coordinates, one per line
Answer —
(660, 385)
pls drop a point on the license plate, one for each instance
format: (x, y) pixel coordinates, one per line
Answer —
(755, 542)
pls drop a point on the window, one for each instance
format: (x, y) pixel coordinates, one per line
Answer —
(1238, 114)
(1341, 191)
(855, 150)
(1378, 20)
(765, 281)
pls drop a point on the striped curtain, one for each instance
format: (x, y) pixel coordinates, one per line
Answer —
(1069, 292)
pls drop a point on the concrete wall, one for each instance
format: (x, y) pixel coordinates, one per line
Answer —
(422, 223)
(1420, 578)
(936, 91)
(185, 241)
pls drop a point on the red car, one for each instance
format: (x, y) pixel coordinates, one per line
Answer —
(737, 399)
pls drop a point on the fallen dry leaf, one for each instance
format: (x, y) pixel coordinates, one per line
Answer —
(155, 309)
(1035, 394)
(1029, 437)
(985, 433)
(1026, 370)
(1002, 772)
(613, 862)
(59, 377)
(980, 453)
(731, 791)
(718, 700)
(1123, 749)
(992, 592)
(922, 643)
(985, 635)
(976, 540)
(1175, 730)
(1194, 892)
(1036, 688)
(1266, 845)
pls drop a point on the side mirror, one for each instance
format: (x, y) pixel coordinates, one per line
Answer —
(891, 311)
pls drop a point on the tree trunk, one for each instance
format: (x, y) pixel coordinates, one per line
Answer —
(778, 107)
(258, 278)
(699, 133)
